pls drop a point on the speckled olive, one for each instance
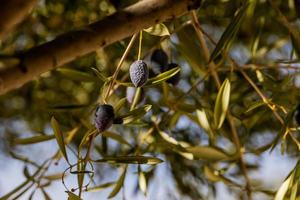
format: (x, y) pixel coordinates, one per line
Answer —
(138, 73)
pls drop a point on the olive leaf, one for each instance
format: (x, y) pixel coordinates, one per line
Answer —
(72, 196)
(207, 153)
(130, 160)
(59, 137)
(101, 187)
(33, 140)
(230, 32)
(163, 76)
(158, 30)
(115, 137)
(142, 181)
(203, 121)
(119, 184)
(76, 75)
(135, 114)
(221, 104)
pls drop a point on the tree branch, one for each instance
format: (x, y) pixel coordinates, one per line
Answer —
(72, 45)
(13, 12)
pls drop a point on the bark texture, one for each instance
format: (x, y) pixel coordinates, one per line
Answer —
(12, 13)
(72, 45)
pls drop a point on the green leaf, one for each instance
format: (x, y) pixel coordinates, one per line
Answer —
(130, 160)
(33, 140)
(230, 32)
(59, 137)
(221, 104)
(207, 153)
(142, 181)
(76, 75)
(158, 30)
(255, 105)
(280, 194)
(163, 76)
(203, 121)
(296, 46)
(72, 196)
(99, 74)
(68, 107)
(135, 114)
(120, 104)
(168, 138)
(101, 187)
(86, 137)
(116, 137)
(119, 184)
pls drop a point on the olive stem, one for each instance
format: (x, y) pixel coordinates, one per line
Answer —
(136, 98)
(140, 45)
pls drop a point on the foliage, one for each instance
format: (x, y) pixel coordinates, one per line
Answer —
(238, 80)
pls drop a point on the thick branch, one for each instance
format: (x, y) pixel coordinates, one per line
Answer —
(13, 12)
(72, 45)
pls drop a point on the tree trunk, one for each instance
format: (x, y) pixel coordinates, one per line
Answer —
(72, 45)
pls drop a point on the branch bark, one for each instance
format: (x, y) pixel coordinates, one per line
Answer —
(72, 45)
(12, 13)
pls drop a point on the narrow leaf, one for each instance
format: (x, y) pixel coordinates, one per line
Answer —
(33, 140)
(163, 76)
(72, 196)
(135, 114)
(115, 137)
(229, 32)
(101, 187)
(142, 181)
(158, 30)
(207, 153)
(119, 184)
(221, 104)
(130, 160)
(76, 75)
(59, 137)
(280, 194)
(203, 121)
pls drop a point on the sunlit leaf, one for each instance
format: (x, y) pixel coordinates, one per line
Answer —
(72, 196)
(33, 140)
(130, 160)
(280, 194)
(221, 104)
(158, 30)
(168, 138)
(203, 121)
(135, 114)
(211, 175)
(207, 153)
(115, 137)
(101, 187)
(59, 137)
(119, 184)
(142, 181)
(163, 76)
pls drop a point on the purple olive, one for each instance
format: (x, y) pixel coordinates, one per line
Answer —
(159, 61)
(138, 73)
(104, 117)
